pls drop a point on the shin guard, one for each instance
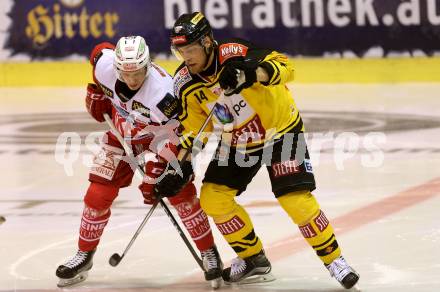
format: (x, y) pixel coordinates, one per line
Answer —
(193, 217)
(96, 214)
(231, 219)
(304, 210)
(91, 228)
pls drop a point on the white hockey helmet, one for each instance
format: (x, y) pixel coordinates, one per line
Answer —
(131, 54)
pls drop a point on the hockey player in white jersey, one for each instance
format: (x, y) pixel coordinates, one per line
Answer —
(138, 94)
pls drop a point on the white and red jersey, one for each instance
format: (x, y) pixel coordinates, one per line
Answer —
(152, 104)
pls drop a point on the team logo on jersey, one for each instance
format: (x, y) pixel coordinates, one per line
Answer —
(223, 114)
(182, 77)
(107, 91)
(169, 106)
(230, 50)
(140, 108)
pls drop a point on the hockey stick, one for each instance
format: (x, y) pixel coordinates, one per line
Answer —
(116, 258)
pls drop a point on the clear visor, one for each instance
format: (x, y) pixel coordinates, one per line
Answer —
(188, 49)
(176, 53)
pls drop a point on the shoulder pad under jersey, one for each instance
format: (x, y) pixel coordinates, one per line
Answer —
(103, 71)
(97, 52)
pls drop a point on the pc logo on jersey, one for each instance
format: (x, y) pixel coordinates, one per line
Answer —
(223, 114)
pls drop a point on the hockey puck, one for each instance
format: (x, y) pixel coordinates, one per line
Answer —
(2, 219)
(114, 260)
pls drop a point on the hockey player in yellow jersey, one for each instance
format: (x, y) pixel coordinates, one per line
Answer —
(261, 126)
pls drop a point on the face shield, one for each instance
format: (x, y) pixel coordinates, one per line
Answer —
(176, 53)
(176, 42)
(181, 49)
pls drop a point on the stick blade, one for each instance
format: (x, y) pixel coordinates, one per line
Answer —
(114, 260)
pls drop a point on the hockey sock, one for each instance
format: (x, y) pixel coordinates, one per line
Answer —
(92, 227)
(304, 210)
(231, 219)
(193, 217)
(98, 199)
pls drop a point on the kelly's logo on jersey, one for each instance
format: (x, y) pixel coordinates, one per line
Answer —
(140, 108)
(231, 50)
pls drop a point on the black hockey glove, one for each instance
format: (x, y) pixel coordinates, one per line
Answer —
(230, 79)
(172, 182)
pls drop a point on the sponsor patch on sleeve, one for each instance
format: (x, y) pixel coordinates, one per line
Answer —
(230, 50)
(139, 107)
(107, 91)
(180, 79)
(169, 106)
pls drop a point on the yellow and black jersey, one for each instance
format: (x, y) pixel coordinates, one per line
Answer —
(257, 114)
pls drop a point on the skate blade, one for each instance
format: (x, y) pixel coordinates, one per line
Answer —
(216, 283)
(255, 279)
(69, 282)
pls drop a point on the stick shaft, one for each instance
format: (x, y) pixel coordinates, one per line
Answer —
(130, 154)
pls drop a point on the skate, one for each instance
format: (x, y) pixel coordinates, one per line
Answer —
(76, 269)
(254, 269)
(341, 271)
(213, 267)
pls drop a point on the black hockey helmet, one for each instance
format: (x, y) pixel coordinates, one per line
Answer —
(189, 28)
